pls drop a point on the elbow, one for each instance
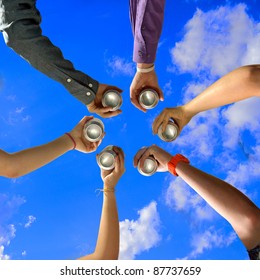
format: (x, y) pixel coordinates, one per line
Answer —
(11, 35)
(251, 75)
(17, 34)
(249, 233)
(253, 220)
(12, 173)
(254, 75)
(12, 170)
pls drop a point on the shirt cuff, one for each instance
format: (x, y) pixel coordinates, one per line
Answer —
(84, 93)
(144, 53)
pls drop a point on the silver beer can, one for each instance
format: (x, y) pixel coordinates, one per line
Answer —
(106, 159)
(93, 130)
(170, 133)
(113, 99)
(148, 98)
(149, 168)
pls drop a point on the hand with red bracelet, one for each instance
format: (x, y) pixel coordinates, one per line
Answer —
(166, 161)
(13, 165)
(80, 143)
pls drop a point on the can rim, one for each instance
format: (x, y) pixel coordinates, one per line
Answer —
(120, 99)
(151, 173)
(155, 102)
(160, 134)
(96, 123)
(105, 151)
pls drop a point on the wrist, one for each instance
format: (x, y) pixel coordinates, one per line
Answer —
(144, 65)
(70, 140)
(189, 111)
(109, 188)
(144, 68)
(175, 160)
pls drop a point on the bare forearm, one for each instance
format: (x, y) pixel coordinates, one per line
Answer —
(28, 160)
(234, 206)
(223, 197)
(107, 247)
(237, 85)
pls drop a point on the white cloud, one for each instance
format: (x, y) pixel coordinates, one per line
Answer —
(218, 41)
(209, 239)
(2, 256)
(31, 220)
(119, 66)
(180, 197)
(8, 207)
(140, 235)
(24, 253)
(243, 115)
(168, 89)
(244, 172)
(194, 89)
(201, 135)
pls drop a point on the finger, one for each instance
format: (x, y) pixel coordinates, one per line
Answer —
(95, 145)
(164, 124)
(104, 109)
(100, 141)
(86, 118)
(157, 122)
(117, 164)
(161, 96)
(105, 173)
(113, 113)
(139, 155)
(121, 160)
(144, 156)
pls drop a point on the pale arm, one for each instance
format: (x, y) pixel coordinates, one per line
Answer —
(107, 246)
(13, 165)
(237, 85)
(23, 162)
(240, 84)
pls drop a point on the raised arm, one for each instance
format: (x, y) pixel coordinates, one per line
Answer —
(13, 165)
(146, 21)
(107, 246)
(240, 84)
(229, 202)
(20, 23)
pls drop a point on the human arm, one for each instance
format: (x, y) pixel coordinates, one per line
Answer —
(240, 84)
(146, 21)
(13, 165)
(107, 246)
(229, 202)
(20, 23)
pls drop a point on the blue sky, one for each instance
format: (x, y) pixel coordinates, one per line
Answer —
(54, 212)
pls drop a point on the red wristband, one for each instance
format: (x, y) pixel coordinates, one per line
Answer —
(174, 161)
(72, 139)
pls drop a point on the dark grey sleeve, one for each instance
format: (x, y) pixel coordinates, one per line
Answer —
(20, 24)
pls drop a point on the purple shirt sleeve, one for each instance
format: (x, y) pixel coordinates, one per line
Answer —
(146, 19)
